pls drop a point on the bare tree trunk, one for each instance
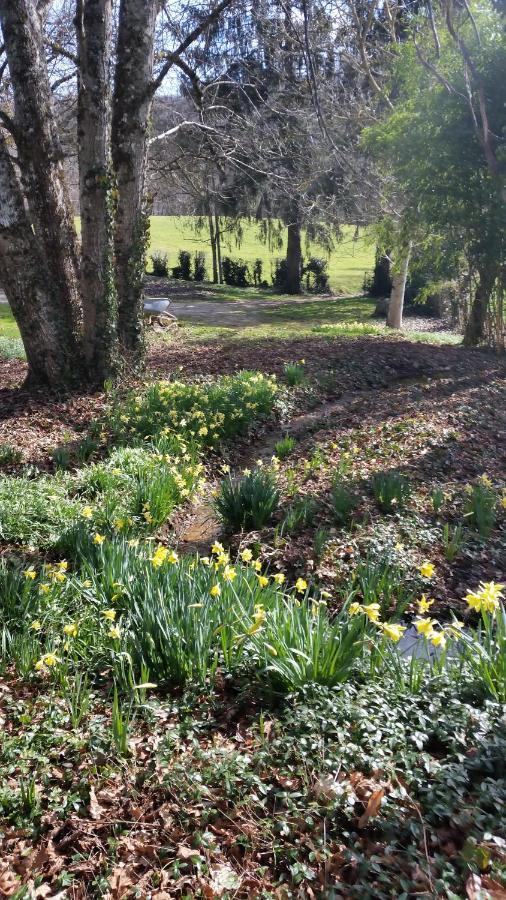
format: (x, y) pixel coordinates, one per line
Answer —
(293, 257)
(475, 327)
(217, 232)
(98, 289)
(212, 237)
(131, 111)
(47, 339)
(41, 161)
(399, 278)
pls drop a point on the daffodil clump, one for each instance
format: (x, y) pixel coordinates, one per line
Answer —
(202, 414)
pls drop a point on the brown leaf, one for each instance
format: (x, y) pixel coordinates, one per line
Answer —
(9, 883)
(372, 808)
(120, 882)
(96, 811)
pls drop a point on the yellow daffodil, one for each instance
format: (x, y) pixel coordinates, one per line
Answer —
(217, 548)
(114, 632)
(503, 500)
(70, 630)
(301, 585)
(258, 619)
(485, 480)
(109, 614)
(205, 561)
(278, 578)
(270, 649)
(246, 555)
(215, 590)
(393, 631)
(98, 539)
(263, 581)
(44, 588)
(399, 547)
(119, 524)
(229, 573)
(30, 573)
(438, 639)
(256, 565)
(49, 660)
(372, 611)
(354, 609)
(172, 557)
(427, 569)
(36, 625)
(424, 605)
(87, 512)
(159, 556)
(87, 583)
(425, 627)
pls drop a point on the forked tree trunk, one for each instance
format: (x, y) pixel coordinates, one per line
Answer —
(98, 289)
(399, 279)
(131, 111)
(41, 162)
(47, 338)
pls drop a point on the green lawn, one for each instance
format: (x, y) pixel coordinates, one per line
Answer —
(348, 263)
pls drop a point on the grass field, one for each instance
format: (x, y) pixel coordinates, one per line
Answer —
(348, 263)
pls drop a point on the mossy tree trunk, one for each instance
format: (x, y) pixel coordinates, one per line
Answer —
(41, 162)
(48, 340)
(130, 123)
(98, 288)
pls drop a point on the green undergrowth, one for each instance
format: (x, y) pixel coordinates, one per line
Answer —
(151, 445)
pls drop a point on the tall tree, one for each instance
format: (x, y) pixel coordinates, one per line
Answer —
(89, 293)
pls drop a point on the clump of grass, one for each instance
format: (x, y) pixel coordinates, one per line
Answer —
(480, 507)
(344, 502)
(391, 491)
(301, 514)
(452, 540)
(284, 447)
(294, 373)
(249, 502)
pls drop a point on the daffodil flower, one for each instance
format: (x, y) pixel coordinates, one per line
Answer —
(109, 614)
(300, 585)
(70, 630)
(215, 590)
(98, 538)
(393, 631)
(427, 569)
(246, 555)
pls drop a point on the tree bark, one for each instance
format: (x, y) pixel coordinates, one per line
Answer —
(131, 111)
(41, 162)
(294, 257)
(217, 234)
(47, 339)
(212, 237)
(475, 327)
(98, 289)
(399, 278)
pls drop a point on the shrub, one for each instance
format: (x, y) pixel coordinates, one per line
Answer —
(160, 264)
(285, 447)
(317, 279)
(391, 491)
(183, 270)
(257, 272)
(11, 348)
(294, 373)
(9, 455)
(249, 502)
(380, 283)
(35, 511)
(199, 267)
(344, 502)
(235, 272)
(280, 276)
(479, 507)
